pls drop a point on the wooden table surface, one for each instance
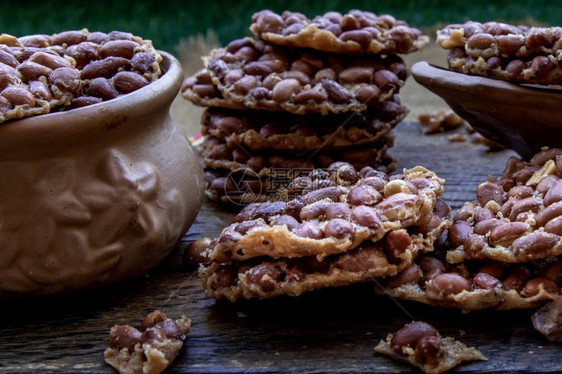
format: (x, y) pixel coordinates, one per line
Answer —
(332, 331)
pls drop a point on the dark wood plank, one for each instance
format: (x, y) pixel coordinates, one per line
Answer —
(331, 331)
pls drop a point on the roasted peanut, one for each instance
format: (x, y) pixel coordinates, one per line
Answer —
(285, 90)
(386, 80)
(83, 53)
(428, 348)
(124, 336)
(409, 335)
(329, 193)
(309, 230)
(430, 267)
(336, 92)
(465, 212)
(40, 90)
(459, 232)
(396, 243)
(365, 216)
(533, 287)
(534, 243)
(338, 228)
(488, 191)
(128, 81)
(393, 207)
(517, 278)
(31, 71)
(473, 245)
(119, 48)
(18, 96)
(106, 67)
(338, 210)
(264, 275)
(193, 254)
(68, 38)
(554, 194)
(286, 220)
(411, 275)
(506, 233)
(269, 209)
(151, 319)
(485, 281)
(102, 88)
(554, 226)
(446, 284)
(360, 260)
(364, 195)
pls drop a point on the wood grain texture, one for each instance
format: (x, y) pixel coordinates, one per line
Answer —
(328, 331)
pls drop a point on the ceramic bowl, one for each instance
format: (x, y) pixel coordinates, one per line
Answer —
(95, 195)
(521, 117)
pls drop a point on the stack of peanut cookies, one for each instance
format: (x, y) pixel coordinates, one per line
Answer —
(503, 249)
(514, 53)
(302, 95)
(340, 227)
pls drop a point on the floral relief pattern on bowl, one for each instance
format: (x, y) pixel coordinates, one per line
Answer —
(95, 195)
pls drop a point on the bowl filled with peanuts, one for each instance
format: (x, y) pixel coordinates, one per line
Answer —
(99, 183)
(503, 79)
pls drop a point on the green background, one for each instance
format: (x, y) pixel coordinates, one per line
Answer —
(166, 22)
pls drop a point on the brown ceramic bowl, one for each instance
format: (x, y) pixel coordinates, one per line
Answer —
(521, 117)
(97, 194)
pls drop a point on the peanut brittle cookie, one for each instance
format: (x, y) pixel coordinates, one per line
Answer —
(336, 212)
(356, 32)
(244, 186)
(477, 285)
(514, 53)
(150, 351)
(421, 345)
(200, 90)
(264, 277)
(286, 132)
(263, 76)
(218, 155)
(44, 73)
(517, 218)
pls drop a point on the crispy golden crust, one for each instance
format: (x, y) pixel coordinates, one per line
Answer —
(356, 32)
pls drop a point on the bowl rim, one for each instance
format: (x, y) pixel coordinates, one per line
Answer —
(428, 74)
(50, 126)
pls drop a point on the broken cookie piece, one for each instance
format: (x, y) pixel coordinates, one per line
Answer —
(149, 351)
(548, 320)
(421, 345)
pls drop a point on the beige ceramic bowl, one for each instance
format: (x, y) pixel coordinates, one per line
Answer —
(521, 117)
(95, 195)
